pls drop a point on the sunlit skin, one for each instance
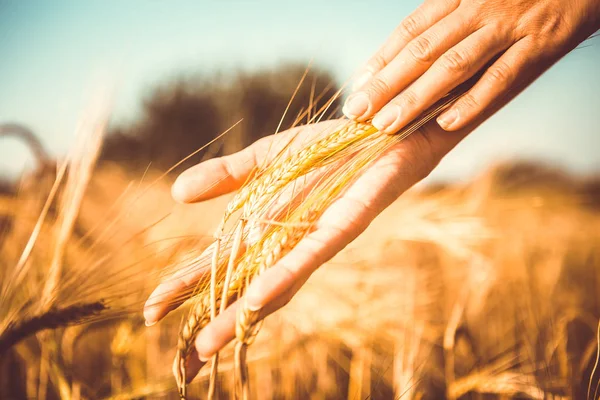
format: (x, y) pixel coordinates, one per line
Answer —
(440, 45)
(445, 42)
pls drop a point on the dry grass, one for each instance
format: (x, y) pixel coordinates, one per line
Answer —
(373, 320)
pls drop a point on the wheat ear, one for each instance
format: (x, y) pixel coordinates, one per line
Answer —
(198, 317)
(259, 191)
(50, 319)
(264, 254)
(235, 248)
(213, 309)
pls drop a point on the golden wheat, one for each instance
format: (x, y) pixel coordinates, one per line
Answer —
(348, 142)
(260, 191)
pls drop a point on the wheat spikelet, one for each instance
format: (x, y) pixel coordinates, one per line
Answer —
(285, 237)
(50, 319)
(197, 319)
(258, 192)
(272, 248)
(247, 324)
(235, 248)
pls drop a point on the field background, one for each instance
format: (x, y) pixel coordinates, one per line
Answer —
(482, 282)
(458, 290)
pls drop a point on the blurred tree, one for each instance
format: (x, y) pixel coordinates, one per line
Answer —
(182, 115)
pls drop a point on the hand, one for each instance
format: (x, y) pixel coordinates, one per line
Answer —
(388, 177)
(445, 42)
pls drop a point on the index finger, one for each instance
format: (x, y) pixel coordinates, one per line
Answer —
(173, 290)
(222, 175)
(425, 16)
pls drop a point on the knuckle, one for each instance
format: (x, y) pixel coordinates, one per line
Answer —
(409, 99)
(468, 102)
(364, 211)
(455, 61)
(377, 63)
(500, 29)
(408, 29)
(500, 74)
(421, 49)
(553, 24)
(379, 86)
(550, 29)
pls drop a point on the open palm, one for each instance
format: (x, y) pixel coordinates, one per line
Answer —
(388, 177)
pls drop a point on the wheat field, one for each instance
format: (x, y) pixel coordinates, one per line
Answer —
(485, 289)
(488, 288)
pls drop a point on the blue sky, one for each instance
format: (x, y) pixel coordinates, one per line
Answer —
(53, 55)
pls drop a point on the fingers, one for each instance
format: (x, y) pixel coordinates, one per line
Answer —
(216, 176)
(454, 67)
(407, 66)
(222, 175)
(426, 15)
(493, 85)
(273, 288)
(193, 185)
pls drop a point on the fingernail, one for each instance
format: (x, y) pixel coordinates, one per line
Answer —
(386, 117)
(204, 359)
(448, 118)
(361, 80)
(149, 324)
(356, 105)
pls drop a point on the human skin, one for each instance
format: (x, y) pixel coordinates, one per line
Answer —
(445, 42)
(440, 45)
